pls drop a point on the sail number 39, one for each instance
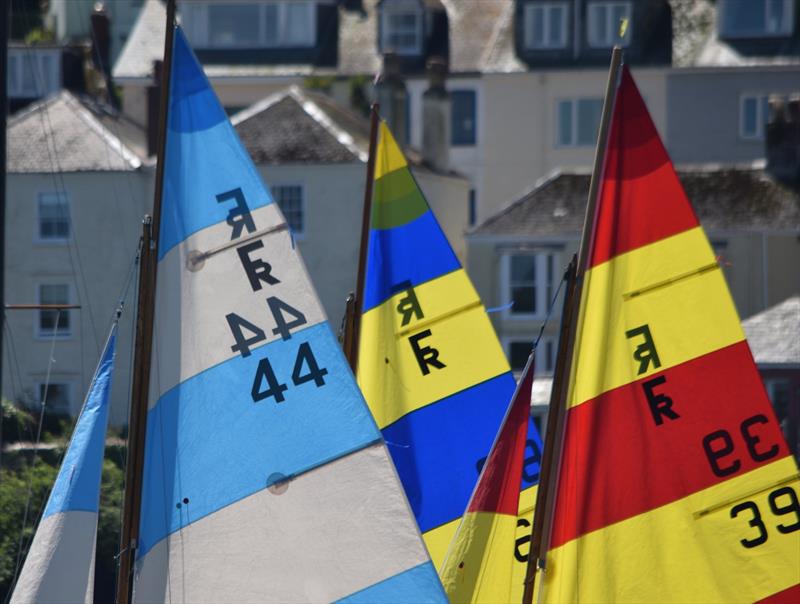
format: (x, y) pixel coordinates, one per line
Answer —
(782, 502)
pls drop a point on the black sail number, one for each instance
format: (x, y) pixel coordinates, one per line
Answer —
(755, 521)
(306, 369)
(782, 502)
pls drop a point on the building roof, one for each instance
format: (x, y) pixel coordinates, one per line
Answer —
(145, 44)
(772, 334)
(697, 44)
(295, 126)
(64, 134)
(724, 197)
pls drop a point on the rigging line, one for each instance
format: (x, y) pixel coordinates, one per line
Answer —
(36, 448)
(114, 127)
(58, 178)
(550, 308)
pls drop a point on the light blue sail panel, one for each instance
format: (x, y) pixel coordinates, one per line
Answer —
(211, 444)
(204, 155)
(77, 486)
(403, 587)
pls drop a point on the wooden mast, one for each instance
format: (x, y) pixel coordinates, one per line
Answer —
(355, 305)
(148, 264)
(551, 456)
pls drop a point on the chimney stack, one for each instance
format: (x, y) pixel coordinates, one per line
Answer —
(436, 111)
(100, 24)
(153, 98)
(783, 139)
(391, 93)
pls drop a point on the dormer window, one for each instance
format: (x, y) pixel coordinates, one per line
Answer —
(401, 27)
(546, 25)
(251, 24)
(756, 18)
(605, 20)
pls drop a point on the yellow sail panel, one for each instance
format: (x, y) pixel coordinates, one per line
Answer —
(675, 288)
(675, 483)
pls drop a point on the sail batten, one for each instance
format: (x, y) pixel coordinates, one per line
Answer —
(265, 475)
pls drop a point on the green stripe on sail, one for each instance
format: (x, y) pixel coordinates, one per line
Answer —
(398, 200)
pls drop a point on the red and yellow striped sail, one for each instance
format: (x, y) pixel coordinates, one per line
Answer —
(675, 483)
(480, 566)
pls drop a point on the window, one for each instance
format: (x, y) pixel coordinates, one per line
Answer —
(605, 20)
(290, 201)
(462, 118)
(530, 279)
(250, 24)
(53, 217)
(33, 73)
(56, 396)
(54, 322)
(756, 18)
(518, 351)
(546, 25)
(753, 116)
(577, 122)
(401, 23)
(473, 207)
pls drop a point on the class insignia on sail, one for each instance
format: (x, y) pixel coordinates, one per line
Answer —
(429, 362)
(675, 482)
(265, 476)
(481, 562)
(59, 566)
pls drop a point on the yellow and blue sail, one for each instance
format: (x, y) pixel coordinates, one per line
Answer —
(430, 365)
(59, 566)
(265, 478)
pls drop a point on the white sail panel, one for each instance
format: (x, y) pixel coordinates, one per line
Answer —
(194, 297)
(265, 477)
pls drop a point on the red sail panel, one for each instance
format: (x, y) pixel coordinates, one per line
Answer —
(641, 199)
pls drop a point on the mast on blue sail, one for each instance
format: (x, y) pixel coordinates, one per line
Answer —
(59, 566)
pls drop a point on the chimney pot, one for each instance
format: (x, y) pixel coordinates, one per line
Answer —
(783, 139)
(436, 115)
(391, 93)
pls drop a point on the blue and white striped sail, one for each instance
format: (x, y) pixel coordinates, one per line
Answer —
(265, 477)
(59, 566)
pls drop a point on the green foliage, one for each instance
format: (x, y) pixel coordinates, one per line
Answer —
(39, 34)
(108, 527)
(14, 486)
(321, 83)
(18, 424)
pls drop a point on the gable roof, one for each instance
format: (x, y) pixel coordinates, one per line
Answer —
(724, 197)
(294, 126)
(767, 334)
(62, 134)
(145, 44)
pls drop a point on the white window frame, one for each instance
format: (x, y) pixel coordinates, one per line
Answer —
(397, 7)
(573, 139)
(301, 233)
(38, 226)
(47, 79)
(545, 9)
(39, 384)
(60, 334)
(611, 28)
(195, 17)
(762, 102)
(544, 291)
(786, 30)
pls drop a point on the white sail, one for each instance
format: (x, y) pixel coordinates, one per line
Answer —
(265, 477)
(59, 566)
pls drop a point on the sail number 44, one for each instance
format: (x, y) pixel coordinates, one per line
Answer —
(782, 502)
